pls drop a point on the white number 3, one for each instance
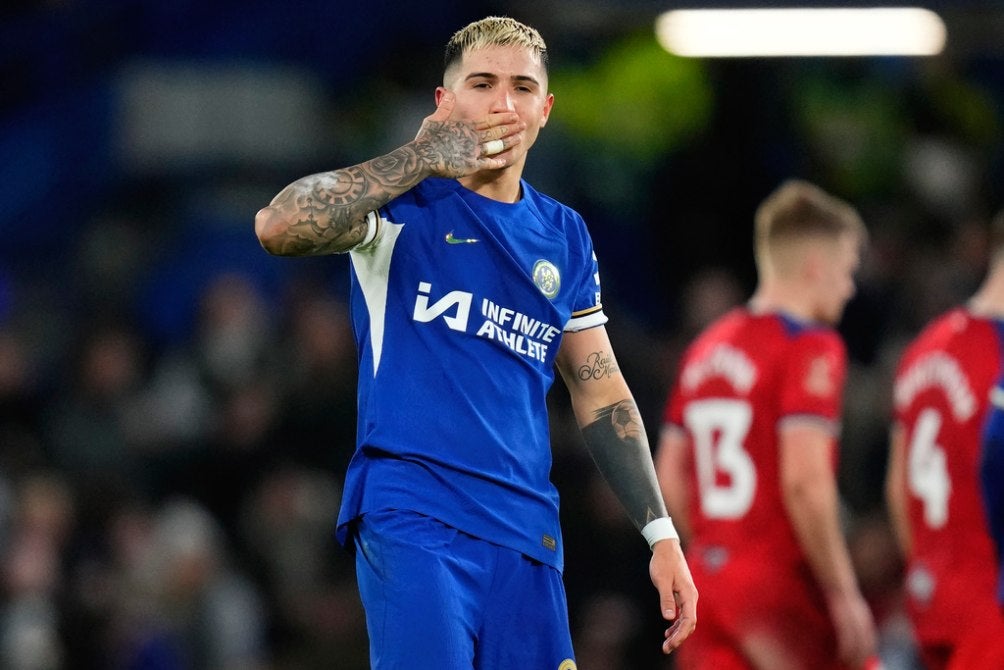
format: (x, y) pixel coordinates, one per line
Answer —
(927, 472)
(719, 428)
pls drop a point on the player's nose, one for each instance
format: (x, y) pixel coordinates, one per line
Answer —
(503, 101)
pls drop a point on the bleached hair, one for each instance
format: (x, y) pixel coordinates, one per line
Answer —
(497, 31)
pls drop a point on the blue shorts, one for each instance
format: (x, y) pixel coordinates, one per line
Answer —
(439, 599)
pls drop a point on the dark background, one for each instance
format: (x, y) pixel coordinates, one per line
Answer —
(176, 407)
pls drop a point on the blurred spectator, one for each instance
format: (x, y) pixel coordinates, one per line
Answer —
(86, 423)
(20, 406)
(191, 607)
(41, 520)
(288, 529)
(317, 421)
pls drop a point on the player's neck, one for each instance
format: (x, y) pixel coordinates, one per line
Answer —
(791, 300)
(988, 301)
(502, 185)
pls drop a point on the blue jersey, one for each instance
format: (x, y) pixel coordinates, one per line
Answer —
(458, 307)
(992, 473)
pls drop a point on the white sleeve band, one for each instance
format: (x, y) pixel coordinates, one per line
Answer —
(659, 529)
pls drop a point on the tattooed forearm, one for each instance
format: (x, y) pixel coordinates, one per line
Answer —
(326, 213)
(617, 442)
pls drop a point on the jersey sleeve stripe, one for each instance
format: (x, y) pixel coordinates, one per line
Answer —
(829, 425)
(585, 319)
(586, 312)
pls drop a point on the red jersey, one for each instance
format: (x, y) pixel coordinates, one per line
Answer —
(940, 400)
(739, 381)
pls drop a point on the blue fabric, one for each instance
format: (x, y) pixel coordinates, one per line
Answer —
(439, 599)
(992, 475)
(458, 309)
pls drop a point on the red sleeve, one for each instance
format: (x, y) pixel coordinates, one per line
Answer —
(815, 372)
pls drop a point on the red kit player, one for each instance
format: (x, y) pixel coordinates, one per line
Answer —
(941, 400)
(751, 424)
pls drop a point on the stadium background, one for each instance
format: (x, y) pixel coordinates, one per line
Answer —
(176, 407)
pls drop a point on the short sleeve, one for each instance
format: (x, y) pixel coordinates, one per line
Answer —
(814, 376)
(587, 305)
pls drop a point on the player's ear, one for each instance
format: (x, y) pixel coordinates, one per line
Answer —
(548, 103)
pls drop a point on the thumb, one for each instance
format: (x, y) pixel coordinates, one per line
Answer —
(445, 108)
(668, 603)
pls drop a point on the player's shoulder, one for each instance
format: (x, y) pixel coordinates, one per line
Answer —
(425, 195)
(788, 331)
(432, 189)
(810, 337)
(549, 208)
(728, 326)
(957, 329)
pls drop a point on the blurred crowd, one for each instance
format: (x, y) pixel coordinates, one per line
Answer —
(175, 510)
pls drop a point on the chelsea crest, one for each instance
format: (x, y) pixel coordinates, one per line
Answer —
(547, 278)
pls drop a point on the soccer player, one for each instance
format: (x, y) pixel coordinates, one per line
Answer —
(468, 289)
(751, 424)
(940, 401)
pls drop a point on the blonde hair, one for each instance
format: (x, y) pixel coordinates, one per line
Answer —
(498, 31)
(798, 210)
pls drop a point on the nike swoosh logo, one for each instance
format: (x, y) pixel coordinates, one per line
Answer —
(450, 239)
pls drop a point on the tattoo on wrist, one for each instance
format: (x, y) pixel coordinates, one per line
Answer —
(396, 169)
(598, 365)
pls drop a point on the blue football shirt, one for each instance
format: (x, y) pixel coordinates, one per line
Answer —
(458, 306)
(992, 476)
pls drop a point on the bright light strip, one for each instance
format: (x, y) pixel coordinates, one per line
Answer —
(872, 31)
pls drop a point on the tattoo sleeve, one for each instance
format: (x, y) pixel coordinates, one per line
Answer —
(326, 212)
(617, 442)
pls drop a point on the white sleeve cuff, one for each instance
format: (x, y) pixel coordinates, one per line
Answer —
(659, 529)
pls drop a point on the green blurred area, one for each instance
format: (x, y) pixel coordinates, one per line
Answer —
(636, 100)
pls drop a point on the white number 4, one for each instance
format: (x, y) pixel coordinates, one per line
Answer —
(927, 472)
(719, 428)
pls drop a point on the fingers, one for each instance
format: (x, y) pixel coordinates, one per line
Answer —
(499, 124)
(445, 108)
(504, 127)
(684, 624)
(492, 147)
(677, 592)
(668, 603)
(498, 138)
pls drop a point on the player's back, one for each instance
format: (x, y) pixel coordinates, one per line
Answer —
(739, 381)
(940, 401)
